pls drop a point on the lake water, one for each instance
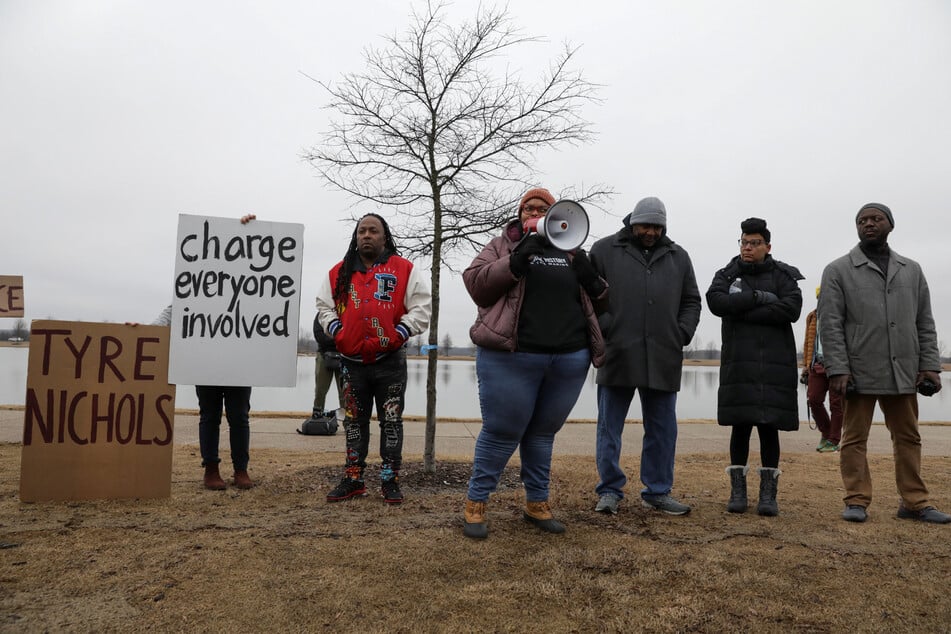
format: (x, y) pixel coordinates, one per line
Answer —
(456, 392)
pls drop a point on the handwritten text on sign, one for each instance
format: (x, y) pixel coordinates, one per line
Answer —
(11, 296)
(99, 413)
(236, 302)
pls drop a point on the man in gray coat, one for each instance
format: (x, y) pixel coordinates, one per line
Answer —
(879, 346)
(653, 313)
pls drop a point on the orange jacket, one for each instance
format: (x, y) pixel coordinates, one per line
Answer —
(809, 343)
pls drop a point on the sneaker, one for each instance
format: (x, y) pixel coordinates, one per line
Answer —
(391, 491)
(854, 513)
(665, 504)
(928, 514)
(347, 489)
(607, 503)
(827, 446)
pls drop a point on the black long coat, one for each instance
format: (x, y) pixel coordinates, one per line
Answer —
(758, 365)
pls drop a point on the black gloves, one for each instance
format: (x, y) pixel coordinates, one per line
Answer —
(588, 277)
(534, 244)
(764, 297)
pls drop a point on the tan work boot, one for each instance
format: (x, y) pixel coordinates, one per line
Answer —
(242, 480)
(475, 525)
(213, 479)
(539, 514)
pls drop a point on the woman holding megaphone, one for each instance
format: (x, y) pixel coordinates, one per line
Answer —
(536, 335)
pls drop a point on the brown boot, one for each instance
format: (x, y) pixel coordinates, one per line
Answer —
(539, 514)
(475, 525)
(213, 479)
(242, 480)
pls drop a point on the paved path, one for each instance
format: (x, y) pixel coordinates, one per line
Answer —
(457, 439)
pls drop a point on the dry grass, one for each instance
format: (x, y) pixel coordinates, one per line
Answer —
(279, 558)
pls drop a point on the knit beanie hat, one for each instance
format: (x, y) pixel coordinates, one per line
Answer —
(882, 208)
(540, 193)
(648, 211)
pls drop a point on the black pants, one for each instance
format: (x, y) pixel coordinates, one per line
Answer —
(237, 403)
(768, 445)
(383, 383)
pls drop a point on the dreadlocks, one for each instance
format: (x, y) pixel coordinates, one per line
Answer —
(342, 287)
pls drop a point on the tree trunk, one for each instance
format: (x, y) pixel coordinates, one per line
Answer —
(429, 449)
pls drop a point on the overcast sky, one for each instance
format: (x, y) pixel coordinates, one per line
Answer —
(116, 116)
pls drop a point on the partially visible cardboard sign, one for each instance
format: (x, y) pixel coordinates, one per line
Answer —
(236, 305)
(11, 296)
(99, 413)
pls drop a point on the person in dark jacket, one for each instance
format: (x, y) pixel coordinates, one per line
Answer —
(326, 371)
(536, 335)
(653, 313)
(758, 299)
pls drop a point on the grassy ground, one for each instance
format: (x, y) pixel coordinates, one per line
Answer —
(279, 558)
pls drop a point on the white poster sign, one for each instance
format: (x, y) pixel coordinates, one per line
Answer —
(236, 305)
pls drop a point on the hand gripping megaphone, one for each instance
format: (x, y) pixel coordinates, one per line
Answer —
(565, 225)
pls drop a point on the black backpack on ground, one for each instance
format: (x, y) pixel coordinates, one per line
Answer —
(323, 425)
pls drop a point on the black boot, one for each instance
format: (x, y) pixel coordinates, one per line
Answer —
(768, 481)
(738, 501)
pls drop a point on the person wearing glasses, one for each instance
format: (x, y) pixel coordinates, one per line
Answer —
(536, 334)
(758, 299)
(879, 337)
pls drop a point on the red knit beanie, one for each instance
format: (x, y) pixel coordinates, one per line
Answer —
(539, 192)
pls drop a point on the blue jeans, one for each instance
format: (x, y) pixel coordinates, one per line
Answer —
(237, 402)
(660, 439)
(525, 398)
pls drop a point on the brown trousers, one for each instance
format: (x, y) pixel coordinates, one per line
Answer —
(901, 418)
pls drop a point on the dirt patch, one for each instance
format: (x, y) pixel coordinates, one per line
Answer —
(280, 558)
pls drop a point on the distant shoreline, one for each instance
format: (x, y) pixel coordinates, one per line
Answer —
(945, 367)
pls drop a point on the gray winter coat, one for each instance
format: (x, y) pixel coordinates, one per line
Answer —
(654, 309)
(880, 331)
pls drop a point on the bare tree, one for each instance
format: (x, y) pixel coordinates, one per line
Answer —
(437, 128)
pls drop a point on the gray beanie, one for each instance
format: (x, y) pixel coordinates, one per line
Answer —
(649, 211)
(882, 208)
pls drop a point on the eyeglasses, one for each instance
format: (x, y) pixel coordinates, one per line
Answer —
(535, 209)
(750, 243)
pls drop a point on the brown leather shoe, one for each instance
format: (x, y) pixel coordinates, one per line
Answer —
(242, 480)
(213, 479)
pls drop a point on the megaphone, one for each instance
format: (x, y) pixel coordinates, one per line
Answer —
(565, 225)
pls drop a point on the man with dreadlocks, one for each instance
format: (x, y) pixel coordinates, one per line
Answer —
(371, 303)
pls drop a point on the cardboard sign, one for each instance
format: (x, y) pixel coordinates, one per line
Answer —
(236, 305)
(11, 296)
(99, 413)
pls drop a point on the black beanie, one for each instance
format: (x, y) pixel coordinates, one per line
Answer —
(882, 208)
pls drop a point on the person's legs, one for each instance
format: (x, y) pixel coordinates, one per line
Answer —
(209, 421)
(835, 418)
(389, 392)
(901, 418)
(853, 459)
(322, 379)
(660, 441)
(562, 380)
(359, 406)
(768, 446)
(613, 405)
(508, 387)
(816, 400)
(740, 444)
(237, 409)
